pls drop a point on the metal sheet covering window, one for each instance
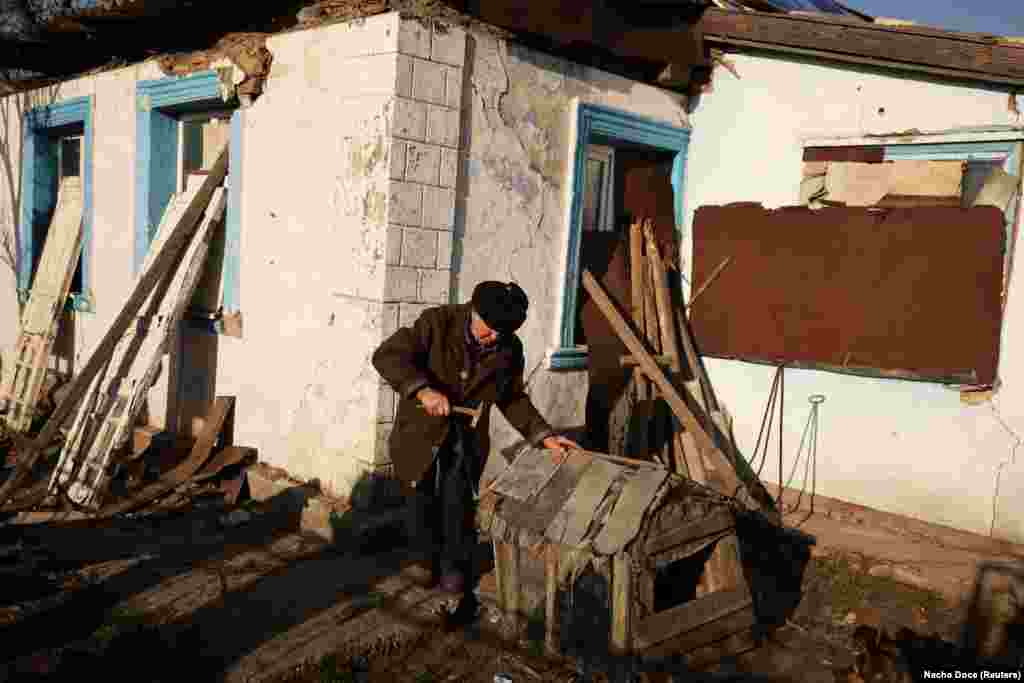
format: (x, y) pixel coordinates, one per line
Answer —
(909, 293)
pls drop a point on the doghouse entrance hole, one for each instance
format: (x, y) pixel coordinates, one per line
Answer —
(676, 582)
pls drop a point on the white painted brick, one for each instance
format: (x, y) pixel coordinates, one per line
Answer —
(453, 87)
(438, 208)
(428, 81)
(397, 160)
(419, 248)
(400, 284)
(423, 163)
(385, 404)
(410, 119)
(449, 167)
(393, 253)
(443, 126)
(406, 203)
(389, 320)
(434, 285)
(414, 39)
(444, 249)
(403, 82)
(448, 45)
(409, 312)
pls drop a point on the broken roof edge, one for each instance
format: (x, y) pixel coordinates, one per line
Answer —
(825, 56)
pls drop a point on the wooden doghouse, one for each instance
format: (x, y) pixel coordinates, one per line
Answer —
(648, 533)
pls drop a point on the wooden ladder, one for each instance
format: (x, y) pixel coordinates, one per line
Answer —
(23, 380)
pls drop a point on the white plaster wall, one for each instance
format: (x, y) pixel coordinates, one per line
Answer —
(903, 447)
(314, 210)
(314, 217)
(512, 206)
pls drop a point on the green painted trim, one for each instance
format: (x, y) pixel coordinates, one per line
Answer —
(595, 120)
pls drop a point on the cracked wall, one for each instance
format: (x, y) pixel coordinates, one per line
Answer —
(903, 447)
(510, 202)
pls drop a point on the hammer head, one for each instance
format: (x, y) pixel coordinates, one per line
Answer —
(476, 414)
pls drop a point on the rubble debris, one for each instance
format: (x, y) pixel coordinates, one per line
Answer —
(247, 52)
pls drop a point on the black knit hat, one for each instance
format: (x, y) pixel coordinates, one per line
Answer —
(502, 306)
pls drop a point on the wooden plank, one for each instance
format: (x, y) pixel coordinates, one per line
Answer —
(551, 553)
(180, 475)
(540, 512)
(689, 616)
(622, 604)
(716, 522)
(83, 466)
(163, 258)
(910, 47)
(636, 281)
(702, 636)
(668, 391)
(583, 502)
(623, 523)
(23, 379)
(224, 458)
(528, 473)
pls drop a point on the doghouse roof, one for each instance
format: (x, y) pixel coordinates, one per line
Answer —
(583, 500)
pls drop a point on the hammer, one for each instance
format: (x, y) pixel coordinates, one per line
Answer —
(475, 414)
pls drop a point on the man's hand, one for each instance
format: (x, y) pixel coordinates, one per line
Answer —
(434, 402)
(559, 445)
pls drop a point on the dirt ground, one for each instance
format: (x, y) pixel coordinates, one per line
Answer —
(253, 598)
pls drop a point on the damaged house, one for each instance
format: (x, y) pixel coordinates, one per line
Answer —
(383, 164)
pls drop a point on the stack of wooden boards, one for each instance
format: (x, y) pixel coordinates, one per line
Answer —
(698, 444)
(110, 390)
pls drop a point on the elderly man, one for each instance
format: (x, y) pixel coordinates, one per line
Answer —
(457, 355)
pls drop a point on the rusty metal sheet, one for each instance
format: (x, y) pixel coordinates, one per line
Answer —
(623, 524)
(910, 293)
(536, 515)
(528, 473)
(572, 522)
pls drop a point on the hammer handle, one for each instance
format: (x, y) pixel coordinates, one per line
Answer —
(460, 409)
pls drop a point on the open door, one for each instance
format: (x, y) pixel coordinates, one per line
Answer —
(641, 185)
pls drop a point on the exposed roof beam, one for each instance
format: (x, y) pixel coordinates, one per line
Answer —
(969, 56)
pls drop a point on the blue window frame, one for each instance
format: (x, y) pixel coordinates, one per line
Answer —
(43, 128)
(160, 104)
(595, 123)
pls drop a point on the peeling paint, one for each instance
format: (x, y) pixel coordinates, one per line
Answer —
(365, 158)
(374, 207)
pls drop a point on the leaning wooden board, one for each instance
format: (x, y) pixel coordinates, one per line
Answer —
(23, 380)
(178, 235)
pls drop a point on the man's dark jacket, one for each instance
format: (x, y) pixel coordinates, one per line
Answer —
(433, 352)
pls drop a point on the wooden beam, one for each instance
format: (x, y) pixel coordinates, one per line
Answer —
(668, 391)
(551, 552)
(702, 636)
(622, 604)
(689, 616)
(716, 522)
(629, 361)
(914, 48)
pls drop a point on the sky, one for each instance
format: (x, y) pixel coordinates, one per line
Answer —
(999, 17)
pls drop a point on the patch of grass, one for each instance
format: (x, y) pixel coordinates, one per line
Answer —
(535, 632)
(120, 620)
(850, 589)
(425, 677)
